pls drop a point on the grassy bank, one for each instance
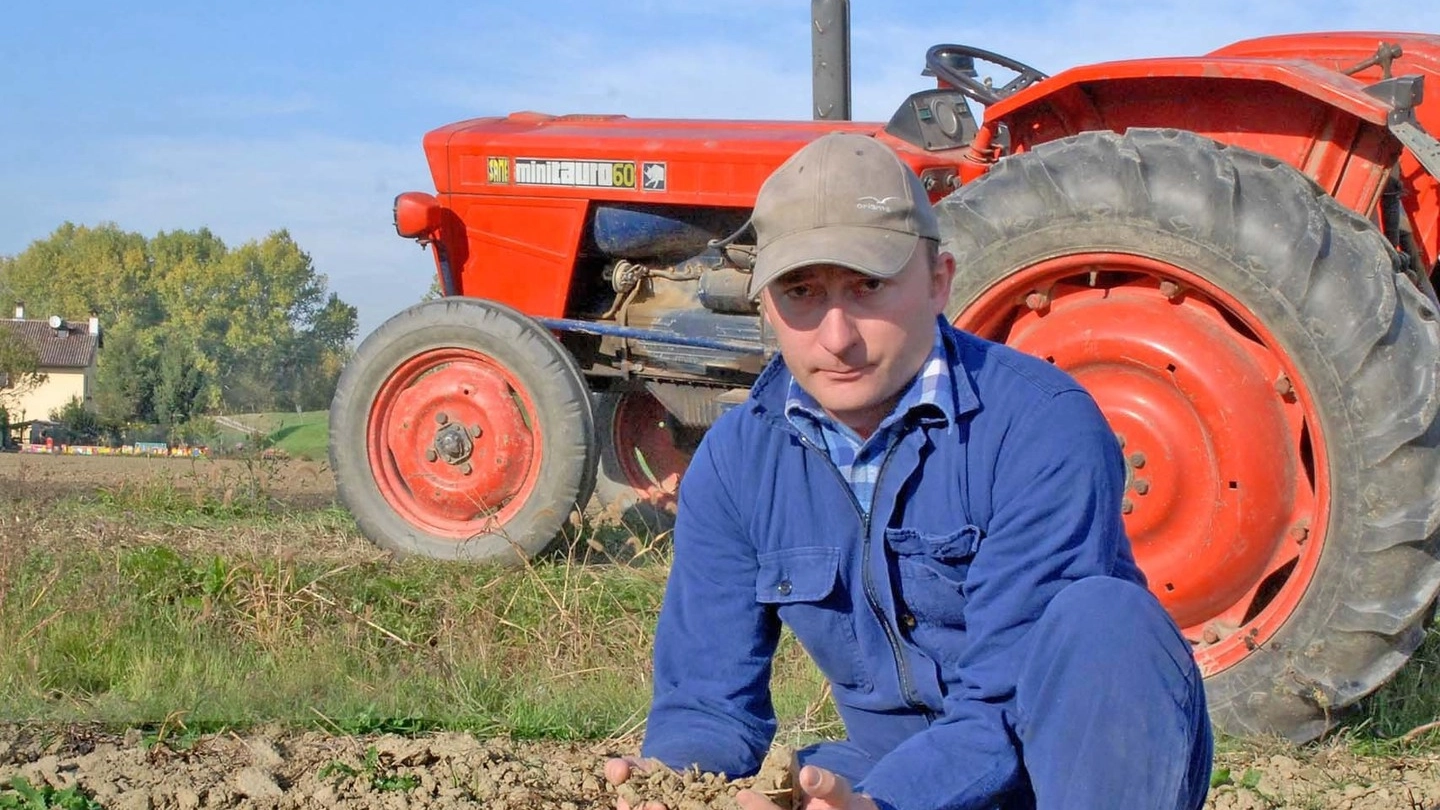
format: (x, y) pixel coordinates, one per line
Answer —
(302, 435)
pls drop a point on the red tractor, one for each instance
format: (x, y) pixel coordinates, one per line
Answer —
(1233, 252)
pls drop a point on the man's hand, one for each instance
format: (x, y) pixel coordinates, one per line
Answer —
(618, 771)
(820, 789)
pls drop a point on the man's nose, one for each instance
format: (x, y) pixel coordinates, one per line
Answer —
(837, 331)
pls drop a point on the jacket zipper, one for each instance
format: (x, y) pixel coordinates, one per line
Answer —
(867, 578)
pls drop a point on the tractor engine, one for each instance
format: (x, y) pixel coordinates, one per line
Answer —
(669, 306)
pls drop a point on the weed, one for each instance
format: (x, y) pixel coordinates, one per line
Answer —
(174, 734)
(370, 721)
(1220, 777)
(18, 794)
(339, 770)
(377, 770)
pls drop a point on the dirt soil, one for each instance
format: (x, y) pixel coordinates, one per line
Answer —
(297, 483)
(275, 769)
(278, 768)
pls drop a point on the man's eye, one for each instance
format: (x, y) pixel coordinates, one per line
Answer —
(798, 292)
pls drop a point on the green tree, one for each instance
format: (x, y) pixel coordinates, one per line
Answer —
(80, 423)
(259, 328)
(126, 377)
(79, 270)
(179, 382)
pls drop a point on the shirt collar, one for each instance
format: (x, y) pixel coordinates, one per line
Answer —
(929, 394)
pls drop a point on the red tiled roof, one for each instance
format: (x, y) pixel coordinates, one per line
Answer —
(70, 346)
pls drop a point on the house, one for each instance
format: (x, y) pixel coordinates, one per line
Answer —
(67, 354)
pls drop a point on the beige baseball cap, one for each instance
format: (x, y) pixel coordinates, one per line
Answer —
(846, 200)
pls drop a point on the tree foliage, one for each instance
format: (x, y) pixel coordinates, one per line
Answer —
(190, 325)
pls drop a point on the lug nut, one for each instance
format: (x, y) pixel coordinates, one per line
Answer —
(1126, 507)
(1037, 300)
(1210, 634)
(1137, 460)
(441, 418)
(1170, 290)
(466, 469)
(1141, 486)
(1283, 386)
(475, 431)
(430, 454)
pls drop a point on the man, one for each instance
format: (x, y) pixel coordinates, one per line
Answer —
(937, 518)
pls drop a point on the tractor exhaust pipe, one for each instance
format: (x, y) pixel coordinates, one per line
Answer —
(830, 48)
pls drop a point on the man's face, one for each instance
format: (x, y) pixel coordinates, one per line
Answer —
(852, 341)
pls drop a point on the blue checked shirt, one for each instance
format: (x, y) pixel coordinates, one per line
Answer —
(859, 460)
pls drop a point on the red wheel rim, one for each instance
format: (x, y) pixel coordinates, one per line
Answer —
(1226, 491)
(645, 449)
(454, 443)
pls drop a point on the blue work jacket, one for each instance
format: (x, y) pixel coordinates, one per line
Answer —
(918, 613)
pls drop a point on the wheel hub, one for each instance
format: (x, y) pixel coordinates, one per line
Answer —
(456, 430)
(452, 444)
(1212, 428)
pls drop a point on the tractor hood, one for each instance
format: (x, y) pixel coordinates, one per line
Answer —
(619, 158)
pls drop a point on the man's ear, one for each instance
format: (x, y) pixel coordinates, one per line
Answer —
(942, 275)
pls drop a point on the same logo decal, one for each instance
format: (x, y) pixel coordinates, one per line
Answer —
(497, 170)
(649, 175)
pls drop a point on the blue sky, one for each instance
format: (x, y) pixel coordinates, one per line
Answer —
(250, 117)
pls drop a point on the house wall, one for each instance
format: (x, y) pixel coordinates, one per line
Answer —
(52, 395)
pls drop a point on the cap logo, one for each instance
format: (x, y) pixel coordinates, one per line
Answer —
(875, 203)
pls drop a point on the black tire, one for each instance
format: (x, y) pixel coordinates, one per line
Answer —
(530, 369)
(1326, 286)
(636, 485)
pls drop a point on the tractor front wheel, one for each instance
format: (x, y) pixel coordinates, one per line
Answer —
(1271, 376)
(462, 429)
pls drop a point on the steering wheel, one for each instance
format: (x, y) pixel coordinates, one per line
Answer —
(940, 61)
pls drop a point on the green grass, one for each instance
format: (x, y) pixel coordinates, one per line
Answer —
(1402, 713)
(109, 614)
(152, 637)
(300, 435)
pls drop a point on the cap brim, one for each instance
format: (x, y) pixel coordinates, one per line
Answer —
(877, 252)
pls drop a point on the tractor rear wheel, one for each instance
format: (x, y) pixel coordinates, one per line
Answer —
(640, 460)
(462, 429)
(1272, 378)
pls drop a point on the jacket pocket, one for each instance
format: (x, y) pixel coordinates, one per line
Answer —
(932, 569)
(803, 585)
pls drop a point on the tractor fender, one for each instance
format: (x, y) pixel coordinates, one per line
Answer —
(1318, 120)
(1343, 51)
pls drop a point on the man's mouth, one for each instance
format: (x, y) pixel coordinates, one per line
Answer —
(843, 375)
